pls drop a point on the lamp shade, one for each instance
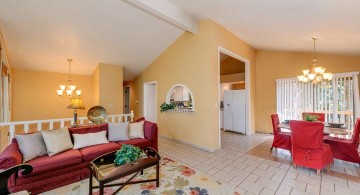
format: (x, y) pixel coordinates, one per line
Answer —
(76, 103)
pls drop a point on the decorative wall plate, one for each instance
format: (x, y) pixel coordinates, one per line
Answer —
(97, 114)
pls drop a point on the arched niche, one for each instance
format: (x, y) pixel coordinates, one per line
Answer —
(182, 97)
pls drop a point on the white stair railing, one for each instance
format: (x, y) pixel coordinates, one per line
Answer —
(62, 121)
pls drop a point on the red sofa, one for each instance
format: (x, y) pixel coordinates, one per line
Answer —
(69, 166)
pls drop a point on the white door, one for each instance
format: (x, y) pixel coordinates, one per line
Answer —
(238, 111)
(150, 107)
(227, 110)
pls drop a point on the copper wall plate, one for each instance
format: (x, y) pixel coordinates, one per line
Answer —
(97, 114)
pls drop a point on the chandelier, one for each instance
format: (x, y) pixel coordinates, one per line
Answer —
(68, 88)
(317, 73)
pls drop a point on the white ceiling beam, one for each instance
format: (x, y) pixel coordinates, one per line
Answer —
(167, 12)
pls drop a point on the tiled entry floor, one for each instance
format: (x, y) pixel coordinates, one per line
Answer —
(246, 163)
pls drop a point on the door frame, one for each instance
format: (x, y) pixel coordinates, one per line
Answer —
(127, 86)
(247, 88)
(145, 98)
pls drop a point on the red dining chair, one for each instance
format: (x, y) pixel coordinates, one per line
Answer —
(281, 139)
(321, 116)
(346, 149)
(308, 148)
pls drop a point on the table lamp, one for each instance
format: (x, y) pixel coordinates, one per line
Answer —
(76, 103)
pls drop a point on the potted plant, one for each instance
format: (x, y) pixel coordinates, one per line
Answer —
(128, 153)
(165, 107)
(311, 118)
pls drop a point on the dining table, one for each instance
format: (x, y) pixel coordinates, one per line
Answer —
(339, 132)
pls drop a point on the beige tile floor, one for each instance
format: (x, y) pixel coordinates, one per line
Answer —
(247, 164)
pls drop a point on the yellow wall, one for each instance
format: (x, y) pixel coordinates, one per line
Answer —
(34, 95)
(272, 65)
(238, 86)
(108, 81)
(192, 60)
(95, 84)
(231, 66)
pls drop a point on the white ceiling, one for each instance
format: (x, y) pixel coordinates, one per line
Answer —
(40, 35)
(286, 24)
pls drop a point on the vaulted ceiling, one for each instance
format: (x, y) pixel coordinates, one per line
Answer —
(40, 35)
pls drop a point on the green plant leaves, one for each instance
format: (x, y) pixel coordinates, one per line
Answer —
(165, 107)
(127, 153)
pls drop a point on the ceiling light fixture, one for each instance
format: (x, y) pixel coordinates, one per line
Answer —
(317, 73)
(69, 88)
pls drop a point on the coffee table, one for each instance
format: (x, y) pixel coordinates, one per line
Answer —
(104, 170)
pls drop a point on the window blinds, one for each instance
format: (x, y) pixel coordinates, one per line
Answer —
(338, 99)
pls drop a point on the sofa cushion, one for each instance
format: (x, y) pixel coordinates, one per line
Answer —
(118, 131)
(141, 143)
(31, 145)
(91, 152)
(44, 164)
(136, 130)
(89, 139)
(57, 141)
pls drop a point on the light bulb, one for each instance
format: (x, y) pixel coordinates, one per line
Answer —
(78, 92)
(330, 76)
(311, 76)
(305, 79)
(318, 69)
(301, 77)
(62, 87)
(306, 72)
(69, 92)
(322, 71)
(72, 87)
(60, 92)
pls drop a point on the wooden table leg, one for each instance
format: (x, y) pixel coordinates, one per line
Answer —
(157, 174)
(101, 188)
(90, 183)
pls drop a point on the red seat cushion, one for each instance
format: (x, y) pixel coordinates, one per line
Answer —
(91, 152)
(141, 143)
(47, 163)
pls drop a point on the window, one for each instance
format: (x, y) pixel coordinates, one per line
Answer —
(338, 99)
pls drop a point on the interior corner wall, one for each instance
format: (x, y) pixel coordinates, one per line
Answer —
(192, 60)
(108, 88)
(272, 65)
(34, 95)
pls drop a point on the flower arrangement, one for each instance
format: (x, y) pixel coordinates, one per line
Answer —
(128, 153)
(311, 117)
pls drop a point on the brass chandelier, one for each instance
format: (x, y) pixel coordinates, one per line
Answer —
(317, 73)
(69, 88)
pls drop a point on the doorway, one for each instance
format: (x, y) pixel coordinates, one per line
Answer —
(234, 78)
(150, 105)
(126, 100)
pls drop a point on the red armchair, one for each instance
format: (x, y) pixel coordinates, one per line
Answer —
(321, 116)
(281, 139)
(346, 149)
(308, 149)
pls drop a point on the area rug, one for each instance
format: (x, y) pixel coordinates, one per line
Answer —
(175, 178)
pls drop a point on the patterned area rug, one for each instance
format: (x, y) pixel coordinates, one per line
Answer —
(175, 178)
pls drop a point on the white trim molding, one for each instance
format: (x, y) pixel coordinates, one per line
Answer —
(249, 126)
(168, 12)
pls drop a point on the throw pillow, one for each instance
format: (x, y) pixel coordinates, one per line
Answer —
(31, 145)
(118, 131)
(57, 140)
(136, 130)
(89, 139)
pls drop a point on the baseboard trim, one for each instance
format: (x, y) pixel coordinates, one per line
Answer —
(190, 144)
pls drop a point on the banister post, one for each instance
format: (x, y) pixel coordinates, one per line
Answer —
(132, 116)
